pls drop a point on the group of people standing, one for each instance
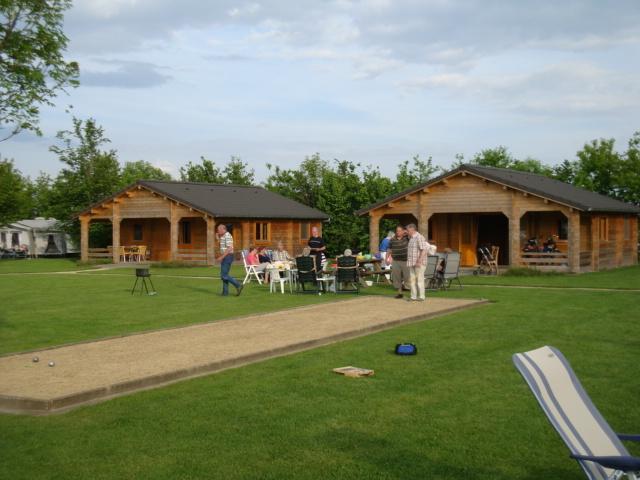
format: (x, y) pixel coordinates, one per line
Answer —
(259, 258)
(406, 251)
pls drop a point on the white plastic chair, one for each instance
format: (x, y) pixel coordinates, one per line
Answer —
(250, 270)
(276, 278)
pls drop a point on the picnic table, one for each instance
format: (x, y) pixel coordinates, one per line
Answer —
(377, 269)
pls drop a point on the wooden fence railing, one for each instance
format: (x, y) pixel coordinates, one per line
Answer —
(100, 253)
(192, 255)
(556, 261)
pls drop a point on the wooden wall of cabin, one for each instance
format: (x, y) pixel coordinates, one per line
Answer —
(294, 234)
(614, 240)
(155, 235)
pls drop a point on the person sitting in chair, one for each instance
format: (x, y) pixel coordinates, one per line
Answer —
(263, 255)
(280, 254)
(254, 260)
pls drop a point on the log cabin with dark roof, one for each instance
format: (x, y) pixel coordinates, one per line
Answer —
(175, 221)
(472, 206)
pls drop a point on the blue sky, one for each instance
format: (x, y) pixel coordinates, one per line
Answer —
(374, 81)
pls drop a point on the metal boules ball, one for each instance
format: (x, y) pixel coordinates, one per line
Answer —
(35, 359)
(52, 364)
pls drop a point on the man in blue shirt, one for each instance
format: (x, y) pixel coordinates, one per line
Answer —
(384, 246)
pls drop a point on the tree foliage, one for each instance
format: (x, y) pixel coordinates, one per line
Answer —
(601, 168)
(141, 170)
(32, 66)
(235, 172)
(15, 198)
(339, 188)
(500, 157)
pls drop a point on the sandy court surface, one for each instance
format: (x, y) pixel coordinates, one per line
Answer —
(88, 371)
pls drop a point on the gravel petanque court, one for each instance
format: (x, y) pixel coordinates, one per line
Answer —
(94, 371)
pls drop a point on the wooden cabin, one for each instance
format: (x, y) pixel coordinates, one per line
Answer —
(176, 221)
(473, 206)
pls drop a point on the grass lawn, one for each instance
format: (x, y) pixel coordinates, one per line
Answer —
(457, 410)
(43, 310)
(623, 278)
(41, 265)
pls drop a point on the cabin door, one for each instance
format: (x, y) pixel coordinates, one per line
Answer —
(468, 234)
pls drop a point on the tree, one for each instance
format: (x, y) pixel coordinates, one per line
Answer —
(91, 173)
(500, 157)
(566, 171)
(600, 168)
(206, 172)
(32, 66)
(15, 199)
(415, 173)
(630, 176)
(235, 172)
(141, 170)
(41, 194)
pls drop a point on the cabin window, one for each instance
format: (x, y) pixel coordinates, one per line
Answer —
(185, 232)
(604, 229)
(305, 228)
(15, 239)
(3, 239)
(627, 228)
(137, 232)
(262, 232)
(563, 229)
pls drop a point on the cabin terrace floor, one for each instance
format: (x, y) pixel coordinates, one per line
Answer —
(95, 371)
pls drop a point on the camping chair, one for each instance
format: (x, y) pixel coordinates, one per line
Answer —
(347, 273)
(591, 441)
(250, 270)
(307, 273)
(431, 278)
(451, 269)
(493, 261)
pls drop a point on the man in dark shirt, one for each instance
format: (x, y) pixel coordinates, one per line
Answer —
(318, 248)
(397, 256)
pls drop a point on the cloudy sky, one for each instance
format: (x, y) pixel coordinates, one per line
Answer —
(373, 81)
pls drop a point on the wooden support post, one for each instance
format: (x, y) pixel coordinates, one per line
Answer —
(211, 240)
(290, 247)
(634, 239)
(514, 237)
(573, 243)
(175, 223)
(84, 238)
(595, 243)
(423, 223)
(374, 232)
(246, 235)
(115, 233)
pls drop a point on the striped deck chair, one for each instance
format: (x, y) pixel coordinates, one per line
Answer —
(591, 441)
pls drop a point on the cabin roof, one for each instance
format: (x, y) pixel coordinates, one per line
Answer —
(230, 201)
(532, 183)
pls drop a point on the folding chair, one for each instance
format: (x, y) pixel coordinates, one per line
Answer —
(431, 278)
(451, 269)
(347, 273)
(250, 270)
(307, 273)
(493, 262)
(590, 439)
